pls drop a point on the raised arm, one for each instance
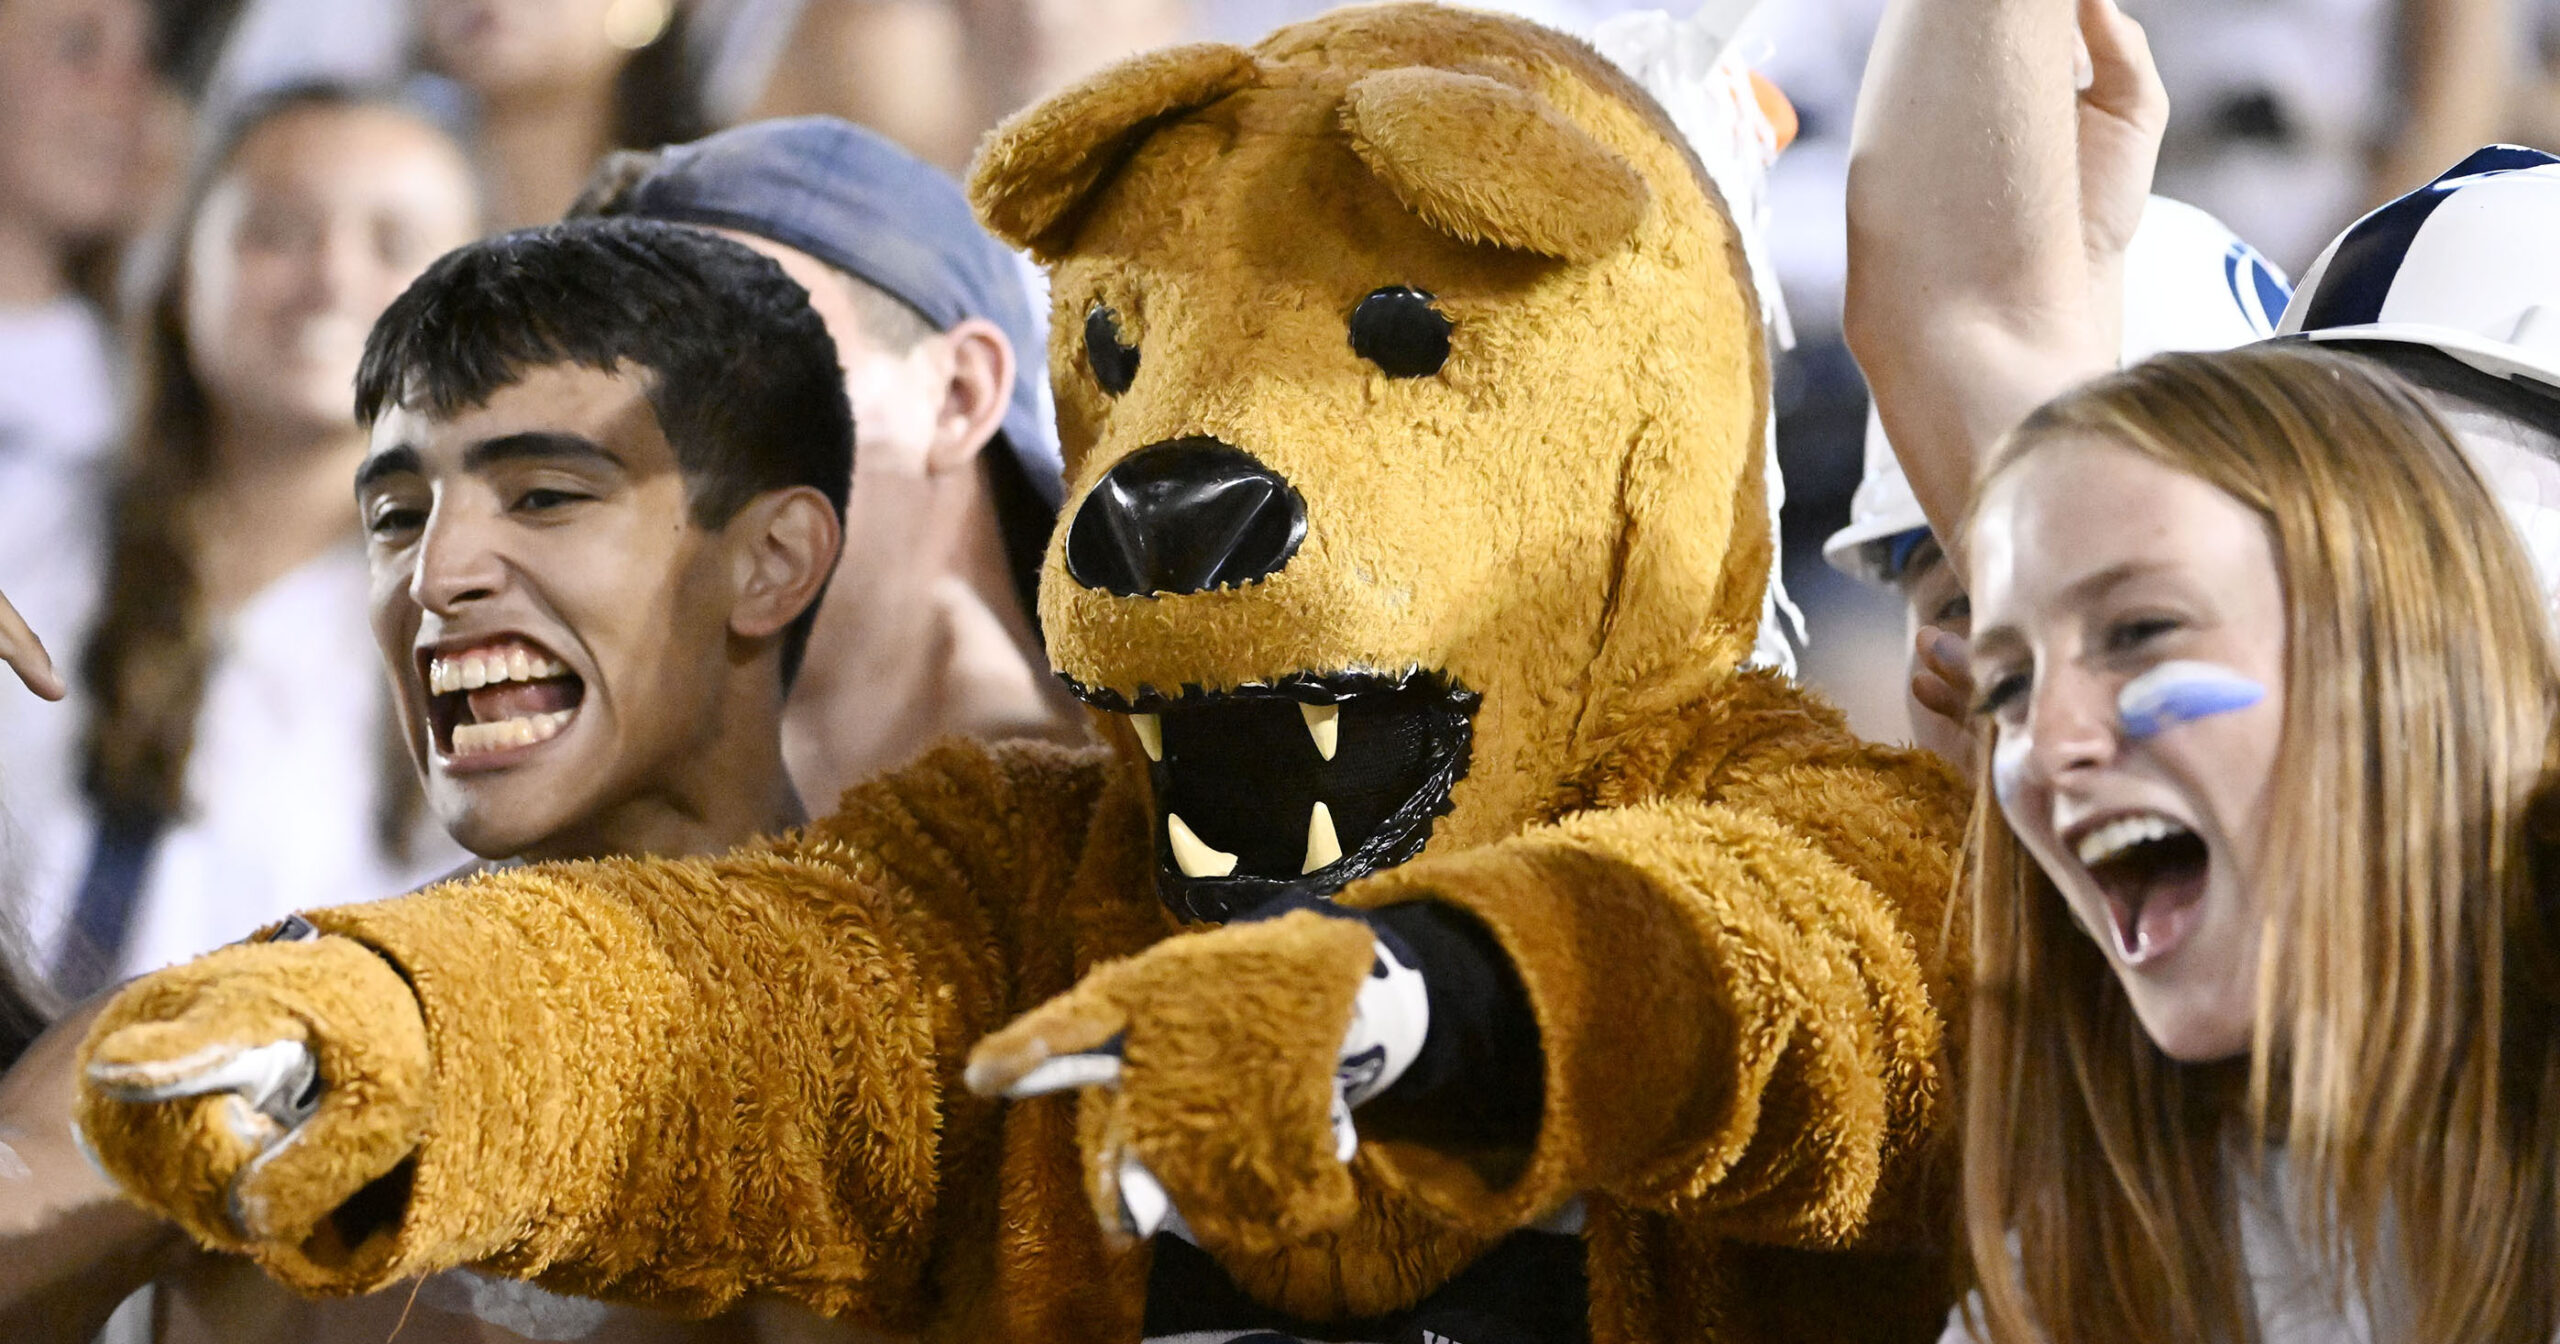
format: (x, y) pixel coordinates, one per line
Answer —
(669, 1082)
(1989, 209)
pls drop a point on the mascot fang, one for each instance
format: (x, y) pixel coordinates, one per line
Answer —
(1412, 386)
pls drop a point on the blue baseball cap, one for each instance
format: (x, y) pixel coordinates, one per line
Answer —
(870, 209)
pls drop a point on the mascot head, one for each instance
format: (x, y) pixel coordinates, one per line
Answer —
(1411, 386)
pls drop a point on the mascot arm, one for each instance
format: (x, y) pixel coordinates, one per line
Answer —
(661, 1081)
(1738, 1009)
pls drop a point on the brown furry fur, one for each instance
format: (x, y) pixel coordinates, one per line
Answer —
(676, 1081)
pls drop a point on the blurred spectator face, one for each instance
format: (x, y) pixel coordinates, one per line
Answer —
(514, 47)
(897, 397)
(1071, 39)
(1932, 596)
(320, 219)
(75, 83)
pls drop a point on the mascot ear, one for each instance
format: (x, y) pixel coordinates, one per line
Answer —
(1485, 162)
(1035, 173)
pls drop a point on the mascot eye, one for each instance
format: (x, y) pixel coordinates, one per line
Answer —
(1398, 330)
(1114, 364)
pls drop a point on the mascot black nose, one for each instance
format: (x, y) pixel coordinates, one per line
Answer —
(1184, 516)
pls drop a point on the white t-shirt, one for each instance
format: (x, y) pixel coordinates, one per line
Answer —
(286, 777)
(58, 416)
(2294, 1300)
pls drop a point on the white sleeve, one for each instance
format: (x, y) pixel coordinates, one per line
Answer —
(1958, 1331)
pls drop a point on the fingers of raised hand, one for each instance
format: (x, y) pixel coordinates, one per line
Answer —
(25, 654)
(2120, 75)
(1942, 681)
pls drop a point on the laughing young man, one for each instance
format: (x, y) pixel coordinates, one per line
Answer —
(605, 490)
(604, 494)
(928, 632)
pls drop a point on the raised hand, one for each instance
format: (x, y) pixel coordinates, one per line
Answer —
(25, 655)
(2122, 113)
(2002, 157)
(252, 1095)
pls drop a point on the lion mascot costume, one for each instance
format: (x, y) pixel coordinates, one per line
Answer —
(1412, 387)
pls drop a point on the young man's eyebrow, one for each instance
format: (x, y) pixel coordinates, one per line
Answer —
(389, 462)
(537, 445)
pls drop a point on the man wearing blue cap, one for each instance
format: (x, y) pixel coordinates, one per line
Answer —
(928, 629)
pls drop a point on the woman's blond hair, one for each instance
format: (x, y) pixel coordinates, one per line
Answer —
(2404, 1053)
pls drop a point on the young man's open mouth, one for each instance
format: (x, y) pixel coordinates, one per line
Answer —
(1298, 785)
(492, 700)
(2152, 869)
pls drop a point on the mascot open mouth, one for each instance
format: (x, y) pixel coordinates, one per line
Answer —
(1299, 785)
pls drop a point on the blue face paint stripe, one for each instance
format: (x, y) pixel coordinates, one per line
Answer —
(2182, 691)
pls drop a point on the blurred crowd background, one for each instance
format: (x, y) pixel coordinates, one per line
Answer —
(203, 204)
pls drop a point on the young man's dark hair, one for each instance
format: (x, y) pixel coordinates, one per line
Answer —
(931, 630)
(740, 370)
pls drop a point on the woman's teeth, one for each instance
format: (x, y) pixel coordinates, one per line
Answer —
(472, 671)
(2122, 834)
(471, 739)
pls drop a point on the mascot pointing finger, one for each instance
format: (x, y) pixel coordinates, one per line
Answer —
(1458, 942)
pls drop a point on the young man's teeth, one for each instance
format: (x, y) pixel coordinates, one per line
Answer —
(1192, 855)
(1324, 724)
(1150, 731)
(1323, 846)
(470, 739)
(472, 671)
(2117, 836)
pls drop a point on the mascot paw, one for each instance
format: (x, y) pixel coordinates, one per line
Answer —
(254, 1094)
(1213, 1060)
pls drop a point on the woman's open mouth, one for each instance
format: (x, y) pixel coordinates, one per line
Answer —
(2152, 870)
(491, 701)
(1299, 785)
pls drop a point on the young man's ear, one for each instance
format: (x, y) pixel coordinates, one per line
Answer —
(975, 395)
(785, 547)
